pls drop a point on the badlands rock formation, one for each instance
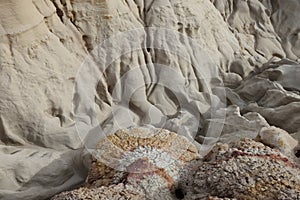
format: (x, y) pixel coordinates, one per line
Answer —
(75, 71)
(149, 163)
(147, 160)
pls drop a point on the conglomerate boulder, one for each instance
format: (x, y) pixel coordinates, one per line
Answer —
(242, 170)
(158, 164)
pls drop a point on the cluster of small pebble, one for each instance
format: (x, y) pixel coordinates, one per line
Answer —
(120, 192)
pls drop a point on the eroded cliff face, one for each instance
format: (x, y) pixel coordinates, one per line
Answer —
(71, 69)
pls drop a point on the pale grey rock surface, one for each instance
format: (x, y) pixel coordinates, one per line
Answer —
(199, 66)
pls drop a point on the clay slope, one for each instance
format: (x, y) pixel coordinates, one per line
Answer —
(75, 71)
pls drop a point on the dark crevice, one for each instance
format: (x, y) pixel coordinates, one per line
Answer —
(59, 12)
(63, 2)
(73, 18)
(62, 40)
(58, 112)
(149, 6)
(297, 153)
(179, 193)
(148, 60)
(11, 45)
(61, 119)
(144, 13)
(88, 42)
